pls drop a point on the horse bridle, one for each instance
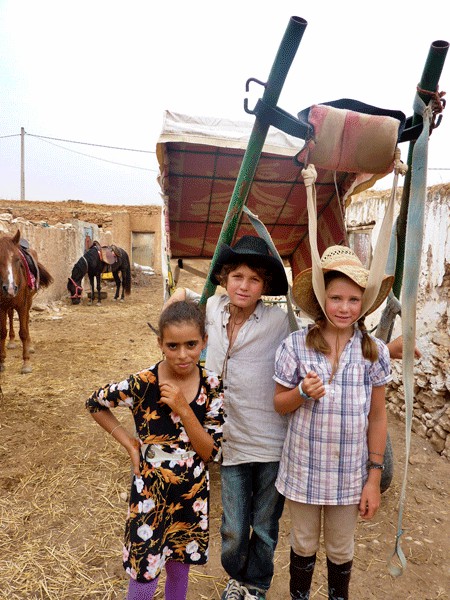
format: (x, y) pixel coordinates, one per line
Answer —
(78, 289)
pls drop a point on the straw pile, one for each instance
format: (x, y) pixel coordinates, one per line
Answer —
(64, 482)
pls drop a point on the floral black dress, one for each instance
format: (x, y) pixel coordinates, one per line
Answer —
(169, 504)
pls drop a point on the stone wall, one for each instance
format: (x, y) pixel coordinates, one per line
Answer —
(112, 223)
(431, 408)
(57, 246)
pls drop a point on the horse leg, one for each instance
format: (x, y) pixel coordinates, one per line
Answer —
(91, 281)
(24, 334)
(99, 287)
(3, 333)
(12, 336)
(117, 282)
(122, 297)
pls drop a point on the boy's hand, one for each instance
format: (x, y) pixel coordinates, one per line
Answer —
(313, 386)
(395, 348)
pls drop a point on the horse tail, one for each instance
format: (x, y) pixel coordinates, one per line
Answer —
(45, 279)
(126, 273)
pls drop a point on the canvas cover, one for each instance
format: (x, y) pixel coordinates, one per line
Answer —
(199, 161)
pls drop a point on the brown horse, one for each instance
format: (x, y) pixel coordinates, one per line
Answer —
(21, 275)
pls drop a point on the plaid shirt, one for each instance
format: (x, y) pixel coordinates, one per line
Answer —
(325, 451)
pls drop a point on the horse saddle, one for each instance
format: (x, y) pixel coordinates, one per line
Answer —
(109, 254)
(30, 264)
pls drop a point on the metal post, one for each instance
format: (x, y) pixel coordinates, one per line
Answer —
(272, 91)
(429, 81)
(22, 163)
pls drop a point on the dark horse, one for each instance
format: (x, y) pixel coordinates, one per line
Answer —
(21, 275)
(93, 264)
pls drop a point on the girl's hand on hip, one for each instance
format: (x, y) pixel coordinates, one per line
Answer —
(134, 451)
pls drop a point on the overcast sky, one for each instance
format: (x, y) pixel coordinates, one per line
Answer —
(103, 72)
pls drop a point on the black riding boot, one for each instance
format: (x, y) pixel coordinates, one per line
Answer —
(338, 580)
(301, 569)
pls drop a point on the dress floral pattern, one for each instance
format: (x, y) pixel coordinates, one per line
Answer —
(168, 514)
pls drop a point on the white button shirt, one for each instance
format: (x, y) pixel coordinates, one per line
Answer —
(253, 431)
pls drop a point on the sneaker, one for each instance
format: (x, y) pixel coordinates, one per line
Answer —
(253, 594)
(233, 591)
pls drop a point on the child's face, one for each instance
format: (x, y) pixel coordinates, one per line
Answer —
(244, 287)
(343, 302)
(182, 345)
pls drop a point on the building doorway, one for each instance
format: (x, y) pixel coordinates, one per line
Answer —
(142, 249)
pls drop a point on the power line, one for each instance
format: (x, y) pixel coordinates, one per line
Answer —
(89, 144)
(44, 139)
(47, 138)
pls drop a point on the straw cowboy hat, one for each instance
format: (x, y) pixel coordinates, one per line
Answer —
(252, 250)
(343, 260)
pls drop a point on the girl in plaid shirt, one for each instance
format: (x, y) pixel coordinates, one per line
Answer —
(330, 380)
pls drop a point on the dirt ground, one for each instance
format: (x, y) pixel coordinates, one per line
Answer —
(63, 481)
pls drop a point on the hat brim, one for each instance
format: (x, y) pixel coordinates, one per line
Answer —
(279, 283)
(304, 297)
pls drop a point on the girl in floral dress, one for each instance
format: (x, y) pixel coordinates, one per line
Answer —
(178, 412)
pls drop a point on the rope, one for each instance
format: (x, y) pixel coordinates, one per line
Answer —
(393, 306)
(381, 251)
(413, 251)
(309, 175)
(437, 104)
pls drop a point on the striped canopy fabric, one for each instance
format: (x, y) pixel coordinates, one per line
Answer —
(199, 161)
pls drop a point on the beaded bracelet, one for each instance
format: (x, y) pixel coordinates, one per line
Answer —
(375, 465)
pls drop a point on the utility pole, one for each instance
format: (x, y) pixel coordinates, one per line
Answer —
(22, 163)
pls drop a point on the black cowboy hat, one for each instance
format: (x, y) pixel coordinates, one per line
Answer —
(254, 251)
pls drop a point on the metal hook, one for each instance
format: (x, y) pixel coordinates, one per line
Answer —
(247, 89)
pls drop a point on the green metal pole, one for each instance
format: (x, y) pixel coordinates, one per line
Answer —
(429, 81)
(272, 91)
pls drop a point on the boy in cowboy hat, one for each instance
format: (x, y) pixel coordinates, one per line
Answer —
(330, 379)
(243, 335)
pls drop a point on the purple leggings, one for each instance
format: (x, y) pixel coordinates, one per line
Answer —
(176, 584)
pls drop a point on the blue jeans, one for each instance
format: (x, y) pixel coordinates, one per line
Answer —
(252, 508)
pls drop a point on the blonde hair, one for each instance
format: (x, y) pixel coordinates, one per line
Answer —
(316, 341)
